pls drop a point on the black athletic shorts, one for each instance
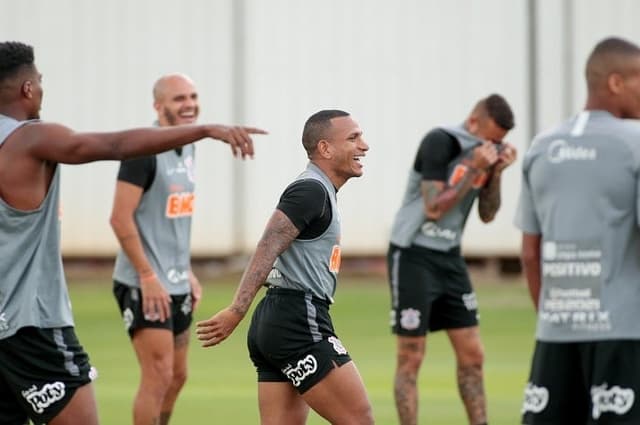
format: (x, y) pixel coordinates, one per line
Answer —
(130, 302)
(430, 290)
(291, 339)
(583, 383)
(40, 371)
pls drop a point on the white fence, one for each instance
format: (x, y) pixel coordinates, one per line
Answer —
(400, 67)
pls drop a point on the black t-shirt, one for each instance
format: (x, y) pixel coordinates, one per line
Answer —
(140, 171)
(437, 149)
(307, 204)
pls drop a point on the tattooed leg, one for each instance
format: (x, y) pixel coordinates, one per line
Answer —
(409, 358)
(471, 387)
(470, 357)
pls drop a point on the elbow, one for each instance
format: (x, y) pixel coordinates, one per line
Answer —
(116, 223)
(529, 259)
(487, 218)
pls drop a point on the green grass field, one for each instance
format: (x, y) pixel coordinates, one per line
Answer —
(222, 390)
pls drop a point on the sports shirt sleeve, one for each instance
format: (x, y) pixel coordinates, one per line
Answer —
(138, 171)
(436, 151)
(306, 202)
(526, 218)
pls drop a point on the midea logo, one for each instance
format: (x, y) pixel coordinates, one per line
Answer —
(559, 151)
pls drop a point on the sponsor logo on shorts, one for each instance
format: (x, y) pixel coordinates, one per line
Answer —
(410, 318)
(560, 150)
(470, 301)
(93, 373)
(337, 345)
(303, 368)
(127, 318)
(40, 399)
(535, 398)
(187, 305)
(615, 399)
(4, 325)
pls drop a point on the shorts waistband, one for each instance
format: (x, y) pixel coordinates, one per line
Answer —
(276, 290)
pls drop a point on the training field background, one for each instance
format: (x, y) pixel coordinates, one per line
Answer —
(221, 388)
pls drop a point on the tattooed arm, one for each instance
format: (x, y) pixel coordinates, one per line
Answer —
(439, 196)
(277, 237)
(489, 198)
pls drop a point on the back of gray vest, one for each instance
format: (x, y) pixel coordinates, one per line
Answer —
(312, 265)
(411, 225)
(581, 192)
(33, 290)
(163, 218)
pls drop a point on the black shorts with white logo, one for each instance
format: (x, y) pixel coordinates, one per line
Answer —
(291, 339)
(40, 370)
(583, 383)
(430, 290)
(130, 302)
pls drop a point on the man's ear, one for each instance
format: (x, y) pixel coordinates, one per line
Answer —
(472, 124)
(27, 89)
(615, 83)
(325, 149)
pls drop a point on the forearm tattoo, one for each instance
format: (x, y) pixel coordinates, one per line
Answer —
(489, 199)
(277, 237)
(470, 385)
(441, 197)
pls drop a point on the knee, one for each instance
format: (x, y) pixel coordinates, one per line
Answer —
(410, 360)
(472, 355)
(160, 373)
(364, 415)
(179, 378)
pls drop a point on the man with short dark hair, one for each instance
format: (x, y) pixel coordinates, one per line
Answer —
(45, 375)
(579, 212)
(430, 286)
(300, 361)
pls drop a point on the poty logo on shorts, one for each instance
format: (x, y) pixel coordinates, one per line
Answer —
(337, 345)
(187, 305)
(42, 398)
(410, 318)
(470, 301)
(535, 398)
(617, 400)
(304, 368)
(127, 317)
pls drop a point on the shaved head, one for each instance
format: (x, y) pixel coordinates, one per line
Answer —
(166, 82)
(611, 55)
(175, 99)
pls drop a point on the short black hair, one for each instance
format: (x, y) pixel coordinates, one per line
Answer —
(499, 111)
(609, 55)
(14, 55)
(316, 126)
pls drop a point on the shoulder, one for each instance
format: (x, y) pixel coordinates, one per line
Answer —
(438, 136)
(307, 186)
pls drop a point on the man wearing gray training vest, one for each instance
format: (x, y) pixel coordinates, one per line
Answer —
(579, 211)
(430, 286)
(154, 286)
(300, 361)
(45, 375)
